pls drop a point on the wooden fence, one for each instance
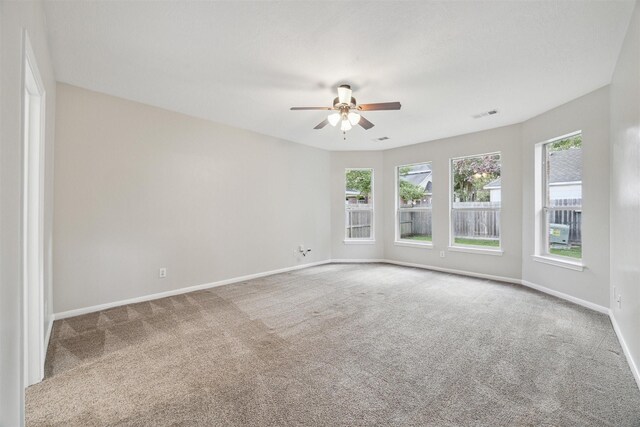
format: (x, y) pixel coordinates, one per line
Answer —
(358, 224)
(568, 212)
(415, 223)
(470, 220)
(476, 224)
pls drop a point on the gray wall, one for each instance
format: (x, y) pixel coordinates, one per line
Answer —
(625, 188)
(590, 114)
(139, 188)
(340, 161)
(15, 17)
(507, 141)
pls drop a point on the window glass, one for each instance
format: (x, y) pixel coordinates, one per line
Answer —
(414, 203)
(562, 197)
(359, 204)
(476, 201)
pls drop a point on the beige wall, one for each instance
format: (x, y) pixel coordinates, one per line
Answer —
(126, 195)
(590, 114)
(340, 161)
(516, 143)
(139, 188)
(506, 140)
(625, 189)
(15, 18)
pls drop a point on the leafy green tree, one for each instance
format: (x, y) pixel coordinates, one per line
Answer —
(567, 143)
(360, 180)
(408, 191)
(472, 174)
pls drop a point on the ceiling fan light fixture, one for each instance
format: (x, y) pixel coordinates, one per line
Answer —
(354, 118)
(344, 94)
(333, 119)
(345, 126)
(344, 110)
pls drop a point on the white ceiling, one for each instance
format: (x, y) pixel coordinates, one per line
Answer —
(245, 63)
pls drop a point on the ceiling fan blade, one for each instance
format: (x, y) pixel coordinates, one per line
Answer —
(366, 124)
(312, 108)
(380, 106)
(323, 124)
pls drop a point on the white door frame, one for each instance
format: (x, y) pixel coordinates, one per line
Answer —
(33, 128)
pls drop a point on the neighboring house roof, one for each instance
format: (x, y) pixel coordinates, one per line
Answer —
(420, 175)
(565, 167)
(493, 185)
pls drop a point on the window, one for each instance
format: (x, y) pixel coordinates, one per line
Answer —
(414, 187)
(359, 204)
(475, 201)
(561, 182)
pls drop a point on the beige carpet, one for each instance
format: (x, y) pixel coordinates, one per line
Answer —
(339, 345)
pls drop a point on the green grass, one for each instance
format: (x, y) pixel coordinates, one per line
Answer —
(574, 252)
(477, 242)
(419, 238)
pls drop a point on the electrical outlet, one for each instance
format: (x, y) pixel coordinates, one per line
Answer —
(619, 301)
(441, 254)
(162, 273)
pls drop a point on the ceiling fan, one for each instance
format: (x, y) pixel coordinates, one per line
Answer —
(345, 106)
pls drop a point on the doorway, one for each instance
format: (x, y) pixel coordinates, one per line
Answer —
(33, 218)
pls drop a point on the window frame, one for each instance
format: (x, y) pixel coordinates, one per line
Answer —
(404, 242)
(371, 207)
(541, 249)
(456, 247)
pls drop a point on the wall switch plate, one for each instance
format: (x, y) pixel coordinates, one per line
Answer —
(162, 273)
(441, 254)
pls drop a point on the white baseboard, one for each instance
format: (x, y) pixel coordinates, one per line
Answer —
(625, 349)
(49, 329)
(99, 307)
(567, 297)
(561, 295)
(91, 309)
(45, 350)
(454, 271)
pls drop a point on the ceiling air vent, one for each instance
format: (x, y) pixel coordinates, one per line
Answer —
(382, 138)
(485, 114)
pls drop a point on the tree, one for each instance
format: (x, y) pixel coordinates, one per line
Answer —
(567, 143)
(360, 180)
(408, 191)
(472, 174)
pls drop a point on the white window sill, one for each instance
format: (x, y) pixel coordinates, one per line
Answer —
(425, 245)
(558, 262)
(359, 242)
(472, 250)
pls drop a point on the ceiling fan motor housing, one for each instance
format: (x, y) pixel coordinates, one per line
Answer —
(344, 103)
(337, 104)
